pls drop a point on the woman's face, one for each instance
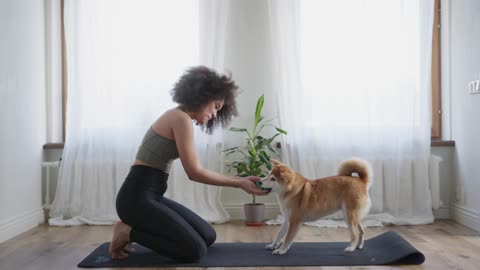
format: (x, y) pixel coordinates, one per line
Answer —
(209, 111)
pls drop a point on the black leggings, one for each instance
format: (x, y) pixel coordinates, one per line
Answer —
(159, 223)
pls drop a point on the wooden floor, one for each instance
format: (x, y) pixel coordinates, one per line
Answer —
(446, 244)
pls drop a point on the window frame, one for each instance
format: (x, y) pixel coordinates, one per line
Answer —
(436, 106)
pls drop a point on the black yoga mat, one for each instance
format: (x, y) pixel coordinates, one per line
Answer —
(387, 248)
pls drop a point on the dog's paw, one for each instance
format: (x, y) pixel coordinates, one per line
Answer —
(360, 246)
(350, 249)
(279, 251)
(272, 246)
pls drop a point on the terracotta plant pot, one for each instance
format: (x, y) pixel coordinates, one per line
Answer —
(254, 214)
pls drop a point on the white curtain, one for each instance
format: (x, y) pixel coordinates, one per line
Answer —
(123, 58)
(353, 79)
(205, 199)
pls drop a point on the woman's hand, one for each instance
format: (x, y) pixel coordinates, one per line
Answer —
(253, 178)
(248, 184)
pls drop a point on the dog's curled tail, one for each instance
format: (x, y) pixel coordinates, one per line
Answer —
(359, 166)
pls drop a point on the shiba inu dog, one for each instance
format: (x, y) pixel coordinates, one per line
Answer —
(303, 200)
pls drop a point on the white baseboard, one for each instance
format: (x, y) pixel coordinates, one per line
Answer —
(20, 224)
(272, 210)
(465, 216)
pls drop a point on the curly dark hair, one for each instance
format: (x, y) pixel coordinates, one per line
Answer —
(200, 85)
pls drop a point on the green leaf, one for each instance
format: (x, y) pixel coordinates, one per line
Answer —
(230, 149)
(260, 119)
(270, 140)
(258, 110)
(281, 130)
(273, 150)
(264, 154)
(238, 129)
(252, 151)
(258, 113)
(243, 153)
(265, 161)
(258, 137)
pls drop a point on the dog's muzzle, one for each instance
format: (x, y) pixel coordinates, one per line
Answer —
(259, 184)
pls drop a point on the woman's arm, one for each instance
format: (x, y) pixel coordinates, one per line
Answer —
(182, 128)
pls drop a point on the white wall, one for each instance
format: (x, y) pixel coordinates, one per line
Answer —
(464, 60)
(22, 115)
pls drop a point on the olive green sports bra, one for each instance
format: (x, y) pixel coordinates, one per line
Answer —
(157, 151)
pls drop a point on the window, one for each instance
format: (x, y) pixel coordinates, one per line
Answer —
(436, 112)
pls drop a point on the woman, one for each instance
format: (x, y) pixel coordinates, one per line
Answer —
(147, 217)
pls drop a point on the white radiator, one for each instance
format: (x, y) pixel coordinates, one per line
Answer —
(48, 166)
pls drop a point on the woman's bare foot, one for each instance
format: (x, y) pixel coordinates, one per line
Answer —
(119, 248)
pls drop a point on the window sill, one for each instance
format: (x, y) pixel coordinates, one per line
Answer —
(53, 146)
(278, 145)
(442, 143)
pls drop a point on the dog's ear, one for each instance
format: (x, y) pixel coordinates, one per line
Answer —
(274, 161)
(286, 177)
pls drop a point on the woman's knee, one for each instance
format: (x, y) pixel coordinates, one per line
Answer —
(193, 251)
(210, 237)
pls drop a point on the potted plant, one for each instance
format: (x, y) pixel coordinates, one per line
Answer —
(254, 158)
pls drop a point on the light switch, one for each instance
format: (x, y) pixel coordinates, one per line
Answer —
(474, 87)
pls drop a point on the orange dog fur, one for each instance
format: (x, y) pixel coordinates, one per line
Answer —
(304, 200)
